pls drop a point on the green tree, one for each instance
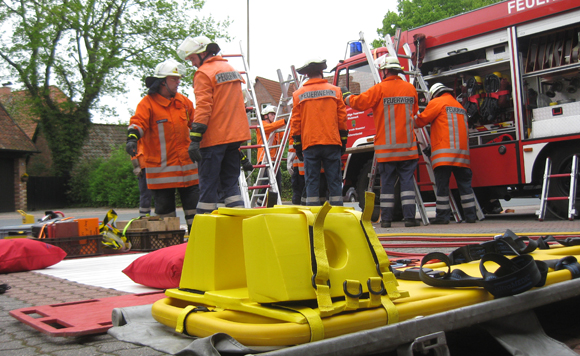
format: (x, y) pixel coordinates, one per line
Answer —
(411, 14)
(86, 48)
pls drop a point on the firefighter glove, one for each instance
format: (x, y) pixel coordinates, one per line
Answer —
(131, 146)
(197, 131)
(345, 93)
(343, 138)
(246, 164)
(194, 152)
(298, 147)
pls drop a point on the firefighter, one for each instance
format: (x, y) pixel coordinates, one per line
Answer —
(394, 103)
(319, 131)
(268, 117)
(161, 126)
(220, 123)
(449, 152)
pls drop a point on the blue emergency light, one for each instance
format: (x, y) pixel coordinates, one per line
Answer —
(355, 48)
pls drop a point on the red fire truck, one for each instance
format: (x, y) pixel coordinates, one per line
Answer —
(516, 63)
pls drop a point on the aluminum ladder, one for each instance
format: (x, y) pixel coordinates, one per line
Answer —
(546, 187)
(261, 182)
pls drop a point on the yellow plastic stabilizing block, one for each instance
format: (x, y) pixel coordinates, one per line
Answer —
(278, 255)
(214, 258)
(26, 218)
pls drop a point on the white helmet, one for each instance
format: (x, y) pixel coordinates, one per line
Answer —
(169, 68)
(437, 89)
(197, 44)
(268, 109)
(312, 65)
(388, 62)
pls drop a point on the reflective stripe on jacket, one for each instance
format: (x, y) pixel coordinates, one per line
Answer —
(318, 113)
(394, 103)
(449, 131)
(163, 127)
(220, 103)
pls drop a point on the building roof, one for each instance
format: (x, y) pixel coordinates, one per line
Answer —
(14, 102)
(271, 86)
(102, 140)
(12, 137)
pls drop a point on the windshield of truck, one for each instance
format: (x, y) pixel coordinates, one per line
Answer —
(357, 78)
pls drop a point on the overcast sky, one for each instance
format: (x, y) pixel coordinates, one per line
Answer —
(284, 34)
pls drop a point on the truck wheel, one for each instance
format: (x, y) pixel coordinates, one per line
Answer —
(560, 187)
(362, 184)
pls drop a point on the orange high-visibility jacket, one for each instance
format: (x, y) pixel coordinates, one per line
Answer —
(318, 113)
(394, 103)
(268, 129)
(449, 133)
(163, 126)
(220, 103)
(296, 163)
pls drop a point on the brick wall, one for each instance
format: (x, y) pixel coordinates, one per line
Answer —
(20, 193)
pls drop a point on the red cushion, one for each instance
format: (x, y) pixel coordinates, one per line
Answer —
(158, 269)
(18, 255)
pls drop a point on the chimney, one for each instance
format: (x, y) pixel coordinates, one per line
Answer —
(6, 89)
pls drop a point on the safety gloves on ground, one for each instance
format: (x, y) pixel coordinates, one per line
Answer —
(131, 146)
(298, 147)
(343, 138)
(196, 133)
(246, 164)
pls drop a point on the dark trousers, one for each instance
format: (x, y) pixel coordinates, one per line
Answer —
(297, 187)
(144, 195)
(219, 167)
(165, 202)
(389, 172)
(314, 158)
(463, 179)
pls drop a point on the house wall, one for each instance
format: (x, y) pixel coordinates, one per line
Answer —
(20, 192)
(263, 96)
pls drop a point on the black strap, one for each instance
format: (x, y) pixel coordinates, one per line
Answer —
(570, 263)
(543, 241)
(506, 244)
(512, 277)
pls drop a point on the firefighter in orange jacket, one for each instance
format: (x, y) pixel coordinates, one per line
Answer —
(319, 131)
(220, 123)
(268, 117)
(161, 125)
(394, 103)
(449, 151)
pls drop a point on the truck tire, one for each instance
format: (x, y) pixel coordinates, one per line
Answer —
(362, 184)
(560, 187)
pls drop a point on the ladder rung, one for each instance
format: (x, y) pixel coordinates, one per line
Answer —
(259, 187)
(231, 55)
(430, 205)
(560, 175)
(557, 198)
(251, 146)
(403, 56)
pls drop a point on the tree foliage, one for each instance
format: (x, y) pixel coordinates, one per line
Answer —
(411, 14)
(84, 48)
